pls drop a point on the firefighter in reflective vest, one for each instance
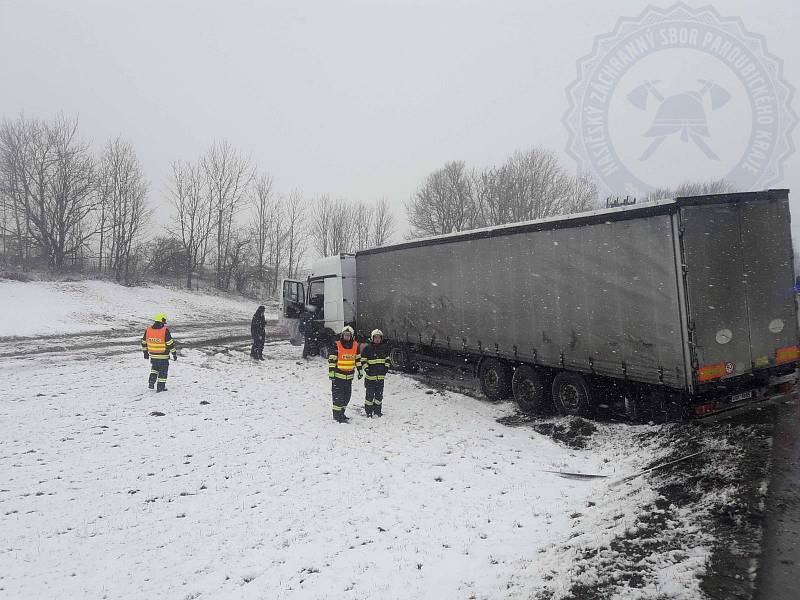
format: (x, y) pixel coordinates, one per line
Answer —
(375, 363)
(157, 345)
(341, 368)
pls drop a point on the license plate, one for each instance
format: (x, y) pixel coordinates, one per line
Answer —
(742, 396)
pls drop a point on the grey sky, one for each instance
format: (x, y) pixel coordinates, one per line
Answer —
(352, 98)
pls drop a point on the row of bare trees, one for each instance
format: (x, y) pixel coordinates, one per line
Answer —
(64, 206)
(529, 185)
(57, 198)
(346, 226)
(230, 216)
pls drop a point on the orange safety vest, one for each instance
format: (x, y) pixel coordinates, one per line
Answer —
(156, 340)
(346, 357)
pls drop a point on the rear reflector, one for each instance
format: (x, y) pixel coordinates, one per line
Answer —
(788, 354)
(709, 372)
(703, 409)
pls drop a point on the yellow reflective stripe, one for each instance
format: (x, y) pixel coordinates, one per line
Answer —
(377, 361)
(170, 342)
(378, 402)
(343, 376)
(374, 377)
(367, 403)
(337, 407)
(159, 356)
(162, 380)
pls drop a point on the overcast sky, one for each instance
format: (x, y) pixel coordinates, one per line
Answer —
(357, 99)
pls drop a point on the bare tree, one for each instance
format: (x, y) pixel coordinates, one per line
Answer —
(347, 226)
(530, 185)
(444, 203)
(124, 213)
(691, 188)
(228, 175)
(55, 188)
(320, 224)
(264, 208)
(383, 224)
(294, 236)
(363, 216)
(581, 196)
(276, 241)
(194, 217)
(15, 138)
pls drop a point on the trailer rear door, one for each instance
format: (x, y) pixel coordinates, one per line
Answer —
(739, 279)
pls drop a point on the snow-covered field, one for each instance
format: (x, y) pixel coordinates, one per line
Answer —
(46, 307)
(246, 488)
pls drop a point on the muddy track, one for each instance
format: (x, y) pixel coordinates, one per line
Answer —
(121, 341)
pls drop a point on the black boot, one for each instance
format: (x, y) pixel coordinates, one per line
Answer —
(368, 410)
(151, 384)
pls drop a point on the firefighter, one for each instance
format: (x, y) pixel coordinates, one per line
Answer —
(258, 333)
(375, 363)
(341, 368)
(157, 345)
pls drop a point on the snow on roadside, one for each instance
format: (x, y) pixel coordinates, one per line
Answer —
(259, 494)
(48, 307)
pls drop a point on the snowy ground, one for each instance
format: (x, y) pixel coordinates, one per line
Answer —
(47, 307)
(246, 488)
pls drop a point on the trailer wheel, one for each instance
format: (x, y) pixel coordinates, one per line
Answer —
(572, 395)
(495, 377)
(530, 391)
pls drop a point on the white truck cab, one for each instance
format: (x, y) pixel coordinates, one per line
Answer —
(329, 294)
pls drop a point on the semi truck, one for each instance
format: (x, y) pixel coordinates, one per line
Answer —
(672, 309)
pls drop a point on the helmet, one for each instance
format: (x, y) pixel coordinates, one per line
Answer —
(375, 332)
(160, 318)
(348, 329)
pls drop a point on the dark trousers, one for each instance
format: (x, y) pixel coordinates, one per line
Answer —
(159, 367)
(373, 403)
(257, 349)
(341, 390)
(309, 346)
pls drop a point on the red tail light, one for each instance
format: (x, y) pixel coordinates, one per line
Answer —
(785, 387)
(703, 409)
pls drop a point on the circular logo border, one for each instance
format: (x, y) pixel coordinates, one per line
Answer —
(597, 155)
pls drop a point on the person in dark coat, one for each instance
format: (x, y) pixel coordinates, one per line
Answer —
(257, 331)
(375, 363)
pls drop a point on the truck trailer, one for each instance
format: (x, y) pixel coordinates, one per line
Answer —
(676, 308)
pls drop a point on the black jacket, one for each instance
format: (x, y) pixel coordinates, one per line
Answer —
(258, 324)
(375, 361)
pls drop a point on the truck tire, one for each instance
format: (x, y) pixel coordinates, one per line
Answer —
(531, 393)
(572, 395)
(495, 377)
